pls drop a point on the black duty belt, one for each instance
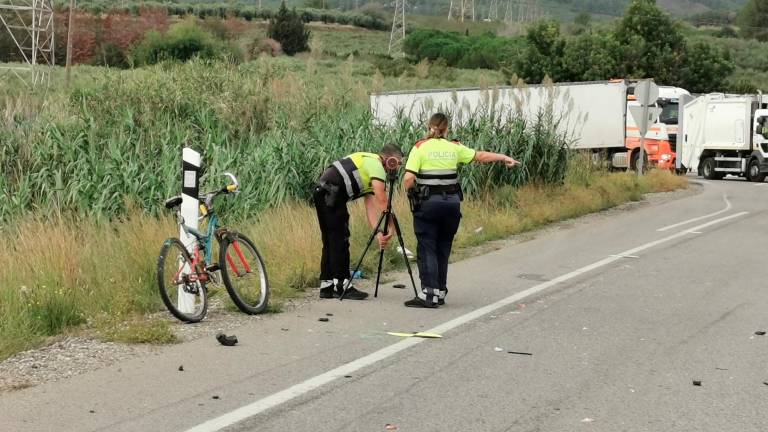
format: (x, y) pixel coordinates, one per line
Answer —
(444, 189)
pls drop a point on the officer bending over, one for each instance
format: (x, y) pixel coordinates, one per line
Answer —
(433, 185)
(357, 175)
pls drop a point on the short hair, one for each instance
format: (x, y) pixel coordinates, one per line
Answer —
(391, 149)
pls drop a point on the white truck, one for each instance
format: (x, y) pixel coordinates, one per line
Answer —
(594, 114)
(725, 134)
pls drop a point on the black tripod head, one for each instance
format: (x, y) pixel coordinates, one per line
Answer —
(392, 166)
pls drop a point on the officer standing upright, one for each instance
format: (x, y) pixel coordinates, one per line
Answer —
(432, 182)
(357, 175)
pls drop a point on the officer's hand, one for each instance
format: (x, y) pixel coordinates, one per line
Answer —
(384, 240)
(509, 162)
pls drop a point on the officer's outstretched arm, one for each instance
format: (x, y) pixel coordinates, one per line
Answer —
(489, 157)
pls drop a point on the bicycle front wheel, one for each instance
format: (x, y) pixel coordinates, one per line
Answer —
(244, 273)
(183, 294)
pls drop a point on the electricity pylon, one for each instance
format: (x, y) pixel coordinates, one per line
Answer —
(29, 23)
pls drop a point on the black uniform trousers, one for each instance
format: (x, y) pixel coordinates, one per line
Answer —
(334, 228)
(435, 223)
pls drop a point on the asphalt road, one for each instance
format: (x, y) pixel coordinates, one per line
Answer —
(620, 313)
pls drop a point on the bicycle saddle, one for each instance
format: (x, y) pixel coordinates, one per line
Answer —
(173, 202)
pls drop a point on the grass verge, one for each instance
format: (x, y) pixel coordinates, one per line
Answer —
(59, 274)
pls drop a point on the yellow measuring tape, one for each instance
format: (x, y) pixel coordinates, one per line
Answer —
(419, 334)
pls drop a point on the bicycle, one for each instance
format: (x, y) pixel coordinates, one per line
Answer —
(183, 277)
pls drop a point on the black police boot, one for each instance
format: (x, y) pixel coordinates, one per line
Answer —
(326, 289)
(352, 292)
(419, 303)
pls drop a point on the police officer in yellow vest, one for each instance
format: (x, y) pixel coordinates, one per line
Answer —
(432, 182)
(357, 175)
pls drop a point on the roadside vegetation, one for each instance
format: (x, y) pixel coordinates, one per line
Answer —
(84, 170)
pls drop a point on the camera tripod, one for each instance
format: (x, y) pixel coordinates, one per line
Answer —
(386, 217)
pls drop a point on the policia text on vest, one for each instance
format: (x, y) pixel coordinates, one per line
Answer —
(433, 188)
(352, 177)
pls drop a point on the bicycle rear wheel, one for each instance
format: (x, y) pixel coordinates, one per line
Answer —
(244, 273)
(184, 296)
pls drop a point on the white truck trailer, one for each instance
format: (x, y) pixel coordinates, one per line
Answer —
(594, 114)
(725, 134)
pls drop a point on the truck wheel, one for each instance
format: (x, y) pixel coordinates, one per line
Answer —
(635, 161)
(708, 170)
(753, 172)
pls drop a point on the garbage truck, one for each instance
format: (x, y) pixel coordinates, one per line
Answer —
(725, 134)
(593, 114)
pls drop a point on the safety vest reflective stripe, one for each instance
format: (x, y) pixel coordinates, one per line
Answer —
(441, 177)
(351, 176)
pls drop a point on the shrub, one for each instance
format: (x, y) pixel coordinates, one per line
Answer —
(111, 55)
(288, 29)
(182, 42)
(266, 46)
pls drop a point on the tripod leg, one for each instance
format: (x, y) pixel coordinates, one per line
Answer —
(387, 217)
(360, 261)
(378, 274)
(405, 256)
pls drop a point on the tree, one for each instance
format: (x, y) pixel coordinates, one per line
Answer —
(704, 68)
(583, 19)
(753, 20)
(652, 44)
(288, 29)
(544, 54)
(591, 57)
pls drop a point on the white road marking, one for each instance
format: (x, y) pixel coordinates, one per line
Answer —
(696, 232)
(318, 381)
(624, 256)
(761, 184)
(696, 219)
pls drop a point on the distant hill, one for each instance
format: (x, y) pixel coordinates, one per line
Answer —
(563, 9)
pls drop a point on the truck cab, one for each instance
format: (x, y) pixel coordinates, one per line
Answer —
(661, 139)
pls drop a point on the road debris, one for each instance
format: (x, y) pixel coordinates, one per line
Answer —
(697, 383)
(588, 420)
(479, 230)
(390, 427)
(181, 368)
(226, 340)
(416, 334)
(760, 333)
(722, 369)
(329, 314)
(215, 397)
(323, 319)
(498, 349)
(520, 353)
(284, 329)
(398, 286)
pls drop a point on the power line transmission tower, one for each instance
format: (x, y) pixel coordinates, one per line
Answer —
(30, 26)
(493, 10)
(398, 29)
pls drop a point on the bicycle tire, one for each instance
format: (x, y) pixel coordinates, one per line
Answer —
(173, 247)
(249, 298)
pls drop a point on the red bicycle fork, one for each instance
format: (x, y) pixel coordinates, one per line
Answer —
(241, 257)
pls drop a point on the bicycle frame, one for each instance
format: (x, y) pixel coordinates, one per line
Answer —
(207, 238)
